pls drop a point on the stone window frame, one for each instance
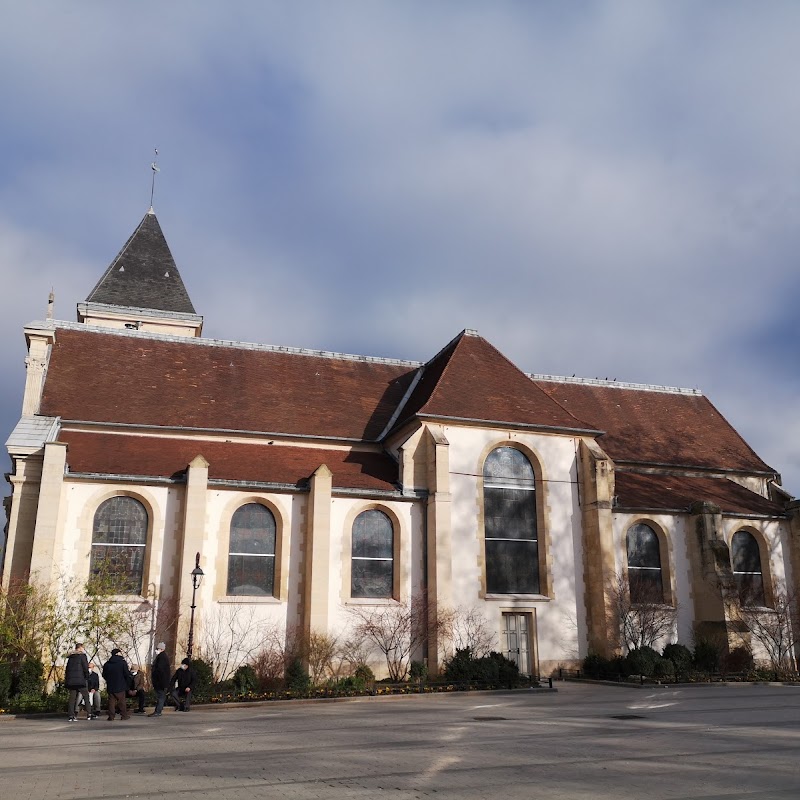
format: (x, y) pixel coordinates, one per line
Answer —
(280, 584)
(87, 517)
(546, 590)
(763, 553)
(665, 550)
(400, 568)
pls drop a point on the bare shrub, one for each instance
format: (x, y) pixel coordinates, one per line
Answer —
(643, 623)
(229, 635)
(352, 653)
(322, 648)
(470, 630)
(398, 631)
(776, 628)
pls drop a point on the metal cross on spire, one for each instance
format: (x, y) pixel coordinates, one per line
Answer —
(155, 169)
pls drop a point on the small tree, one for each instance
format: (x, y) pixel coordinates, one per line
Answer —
(398, 631)
(776, 628)
(470, 630)
(321, 651)
(230, 635)
(643, 623)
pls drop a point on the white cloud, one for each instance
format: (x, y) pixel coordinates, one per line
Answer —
(610, 192)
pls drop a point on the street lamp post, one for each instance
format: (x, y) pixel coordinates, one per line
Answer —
(197, 577)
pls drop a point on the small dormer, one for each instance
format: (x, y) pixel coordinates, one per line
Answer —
(142, 288)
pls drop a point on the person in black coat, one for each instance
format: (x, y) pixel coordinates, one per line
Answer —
(76, 679)
(94, 690)
(184, 677)
(118, 678)
(160, 672)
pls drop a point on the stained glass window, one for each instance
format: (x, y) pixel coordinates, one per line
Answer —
(251, 555)
(509, 511)
(746, 561)
(644, 565)
(372, 563)
(119, 542)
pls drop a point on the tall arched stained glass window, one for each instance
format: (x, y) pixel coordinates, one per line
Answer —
(746, 562)
(251, 553)
(372, 563)
(119, 542)
(644, 565)
(510, 528)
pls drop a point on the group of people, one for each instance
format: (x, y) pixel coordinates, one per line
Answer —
(83, 683)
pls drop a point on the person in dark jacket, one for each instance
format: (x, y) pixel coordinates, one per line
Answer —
(183, 681)
(94, 690)
(159, 677)
(76, 679)
(118, 678)
(137, 690)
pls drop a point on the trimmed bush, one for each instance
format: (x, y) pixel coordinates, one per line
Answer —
(363, 672)
(297, 679)
(419, 671)
(29, 678)
(680, 656)
(204, 678)
(740, 659)
(595, 666)
(642, 661)
(706, 655)
(459, 668)
(244, 680)
(663, 669)
(493, 670)
(5, 684)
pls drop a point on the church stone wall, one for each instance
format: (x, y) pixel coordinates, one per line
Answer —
(558, 614)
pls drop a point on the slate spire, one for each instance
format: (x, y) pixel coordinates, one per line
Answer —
(144, 275)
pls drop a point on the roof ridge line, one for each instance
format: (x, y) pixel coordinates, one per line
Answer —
(229, 343)
(614, 384)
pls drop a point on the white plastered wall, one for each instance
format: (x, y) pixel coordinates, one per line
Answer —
(560, 620)
(678, 570)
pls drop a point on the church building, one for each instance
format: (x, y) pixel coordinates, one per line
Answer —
(312, 483)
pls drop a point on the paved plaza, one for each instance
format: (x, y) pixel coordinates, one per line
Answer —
(584, 741)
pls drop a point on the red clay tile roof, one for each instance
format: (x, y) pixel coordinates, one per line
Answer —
(160, 457)
(471, 379)
(107, 377)
(669, 492)
(657, 427)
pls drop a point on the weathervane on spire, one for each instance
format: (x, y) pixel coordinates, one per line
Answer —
(154, 167)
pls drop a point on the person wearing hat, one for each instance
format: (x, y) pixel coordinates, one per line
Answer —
(159, 677)
(118, 678)
(183, 685)
(76, 679)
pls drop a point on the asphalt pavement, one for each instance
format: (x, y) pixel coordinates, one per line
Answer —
(584, 741)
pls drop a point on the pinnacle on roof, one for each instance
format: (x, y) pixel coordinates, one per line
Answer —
(144, 275)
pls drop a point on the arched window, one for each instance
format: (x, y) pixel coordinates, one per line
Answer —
(251, 553)
(746, 560)
(644, 565)
(372, 568)
(509, 513)
(119, 541)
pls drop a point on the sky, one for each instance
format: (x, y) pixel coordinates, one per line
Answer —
(607, 189)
